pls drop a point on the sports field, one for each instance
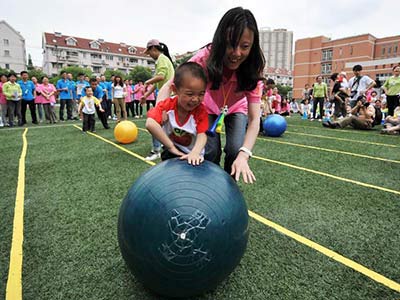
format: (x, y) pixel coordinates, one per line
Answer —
(324, 214)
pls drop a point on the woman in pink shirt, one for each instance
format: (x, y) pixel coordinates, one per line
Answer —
(276, 101)
(46, 97)
(285, 108)
(150, 98)
(234, 64)
(3, 101)
(128, 99)
(37, 100)
(138, 93)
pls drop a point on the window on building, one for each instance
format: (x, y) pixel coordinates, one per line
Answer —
(327, 54)
(132, 50)
(351, 50)
(7, 66)
(6, 52)
(109, 57)
(326, 68)
(71, 42)
(133, 60)
(84, 54)
(96, 69)
(95, 56)
(6, 42)
(395, 49)
(94, 45)
(120, 58)
(383, 50)
(389, 50)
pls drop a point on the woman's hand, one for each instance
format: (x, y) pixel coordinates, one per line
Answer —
(241, 167)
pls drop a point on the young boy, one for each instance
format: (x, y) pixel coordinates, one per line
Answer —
(180, 122)
(87, 107)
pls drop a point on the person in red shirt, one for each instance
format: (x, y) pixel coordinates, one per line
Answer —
(180, 122)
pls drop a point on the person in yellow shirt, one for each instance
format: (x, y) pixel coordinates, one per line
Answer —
(13, 92)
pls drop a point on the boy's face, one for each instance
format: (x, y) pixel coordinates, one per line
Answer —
(89, 92)
(190, 93)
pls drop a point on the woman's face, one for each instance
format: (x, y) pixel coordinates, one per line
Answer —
(234, 57)
(45, 80)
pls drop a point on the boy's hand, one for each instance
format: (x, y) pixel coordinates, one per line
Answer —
(102, 110)
(175, 151)
(194, 159)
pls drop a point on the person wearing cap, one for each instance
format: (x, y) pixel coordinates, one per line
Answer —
(163, 73)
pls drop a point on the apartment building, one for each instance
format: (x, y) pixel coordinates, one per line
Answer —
(321, 55)
(277, 46)
(60, 51)
(280, 76)
(12, 48)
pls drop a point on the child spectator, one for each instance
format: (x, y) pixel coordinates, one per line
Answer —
(294, 107)
(285, 108)
(183, 133)
(87, 107)
(305, 108)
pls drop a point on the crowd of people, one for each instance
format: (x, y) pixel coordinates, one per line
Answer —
(221, 83)
(356, 102)
(41, 97)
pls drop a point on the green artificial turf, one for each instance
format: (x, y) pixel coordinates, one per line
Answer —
(75, 184)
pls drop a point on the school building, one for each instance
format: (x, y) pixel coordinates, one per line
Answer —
(322, 56)
(12, 48)
(60, 51)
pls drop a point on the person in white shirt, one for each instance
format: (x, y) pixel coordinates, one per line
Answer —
(359, 85)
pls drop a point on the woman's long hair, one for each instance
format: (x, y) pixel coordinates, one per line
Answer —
(228, 33)
(164, 50)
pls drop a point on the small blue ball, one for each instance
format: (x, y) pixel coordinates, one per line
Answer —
(274, 125)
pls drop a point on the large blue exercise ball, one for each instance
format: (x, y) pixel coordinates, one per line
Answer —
(183, 229)
(274, 125)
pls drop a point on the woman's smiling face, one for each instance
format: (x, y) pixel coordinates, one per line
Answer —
(234, 57)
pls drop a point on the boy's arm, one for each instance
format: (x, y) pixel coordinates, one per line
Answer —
(156, 130)
(80, 107)
(194, 157)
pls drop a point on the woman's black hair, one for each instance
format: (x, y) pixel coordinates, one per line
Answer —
(121, 82)
(164, 49)
(228, 33)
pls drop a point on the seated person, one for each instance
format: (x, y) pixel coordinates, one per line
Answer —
(180, 122)
(285, 108)
(392, 124)
(363, 115)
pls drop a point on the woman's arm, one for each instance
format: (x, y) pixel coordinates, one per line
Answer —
(241, 166)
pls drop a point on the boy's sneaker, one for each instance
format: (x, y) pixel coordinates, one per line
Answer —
(153, 156)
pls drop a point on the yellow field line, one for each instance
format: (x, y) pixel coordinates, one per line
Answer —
(342, 139)
(329, 150)
(329, 175)
(331, 254)
(14, 283)
(324, 174)
(327, 252)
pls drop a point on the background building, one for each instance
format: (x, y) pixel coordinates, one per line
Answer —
(280, 76)
(12, 48)
(61, 51)
(277, 46)
(321, 55)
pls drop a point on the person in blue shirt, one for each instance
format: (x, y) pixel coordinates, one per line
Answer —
(72, 87)
(28, 97)
(64, 89)
(106, 87)
(98, 93)
(109, 97)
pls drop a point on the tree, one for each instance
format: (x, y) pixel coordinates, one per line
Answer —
(36, 73)
(75, 70)
(30, 64)
(140, 73)
(6, 71)
(283, 89)
(108, 74)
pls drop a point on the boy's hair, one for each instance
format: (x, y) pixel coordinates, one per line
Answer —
(62, 72)
(81, 74)
(87, 87)
(92, 80)
(189, 67)
(357, 68)
(11, 74)
(228, 34)
(270, 81)
(23, 72)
